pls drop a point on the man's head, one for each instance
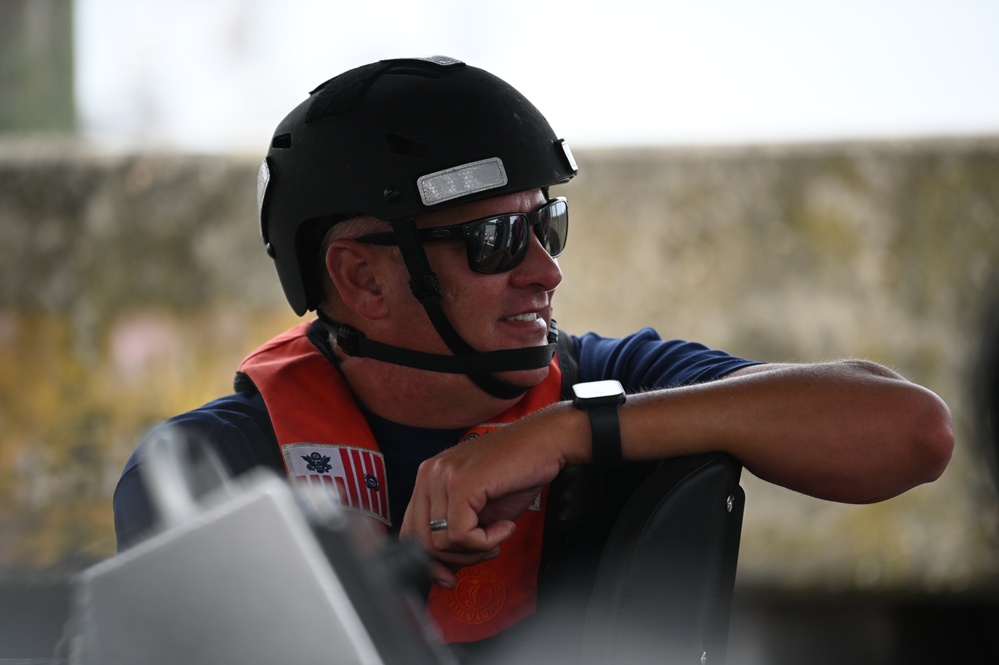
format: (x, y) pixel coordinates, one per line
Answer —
(400, 141)
(506, 307)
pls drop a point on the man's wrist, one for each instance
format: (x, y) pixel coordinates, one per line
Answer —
(601, 400)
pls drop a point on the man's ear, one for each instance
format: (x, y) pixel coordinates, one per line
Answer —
(355, 269)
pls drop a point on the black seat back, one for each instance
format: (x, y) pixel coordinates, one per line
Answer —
(664, 587)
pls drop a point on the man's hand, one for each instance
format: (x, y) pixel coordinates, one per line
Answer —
(480, 487)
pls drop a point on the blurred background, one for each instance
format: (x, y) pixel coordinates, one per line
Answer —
(787, 181)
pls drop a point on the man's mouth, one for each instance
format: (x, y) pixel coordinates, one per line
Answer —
(526, 316)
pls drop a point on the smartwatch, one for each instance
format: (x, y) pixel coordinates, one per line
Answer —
(600, 400)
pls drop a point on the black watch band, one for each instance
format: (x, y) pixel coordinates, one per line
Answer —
(600, 400)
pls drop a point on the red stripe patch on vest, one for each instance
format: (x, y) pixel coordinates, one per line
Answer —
(355, 475)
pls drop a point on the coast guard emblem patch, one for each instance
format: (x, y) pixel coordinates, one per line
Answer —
(355, 475)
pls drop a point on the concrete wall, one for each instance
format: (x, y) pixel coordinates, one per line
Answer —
(131, 285)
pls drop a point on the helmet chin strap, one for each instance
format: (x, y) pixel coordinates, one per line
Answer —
(480, 366)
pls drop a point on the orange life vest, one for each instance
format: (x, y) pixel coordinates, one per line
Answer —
(325, 439)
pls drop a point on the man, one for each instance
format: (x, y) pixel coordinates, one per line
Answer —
(408, 203)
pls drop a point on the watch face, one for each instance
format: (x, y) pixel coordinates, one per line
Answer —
(598, 389)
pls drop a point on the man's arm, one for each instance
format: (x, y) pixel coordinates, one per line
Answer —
(850, 431)
(239, 431)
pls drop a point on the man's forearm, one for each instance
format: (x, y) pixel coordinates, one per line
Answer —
(846, 431)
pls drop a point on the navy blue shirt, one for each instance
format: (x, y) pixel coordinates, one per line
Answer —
(239, 428)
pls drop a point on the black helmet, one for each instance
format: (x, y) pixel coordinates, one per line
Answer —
(395, 139)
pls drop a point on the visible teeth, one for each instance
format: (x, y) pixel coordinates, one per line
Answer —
(530, 316)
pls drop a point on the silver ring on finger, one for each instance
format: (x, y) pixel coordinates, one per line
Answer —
(438, 525)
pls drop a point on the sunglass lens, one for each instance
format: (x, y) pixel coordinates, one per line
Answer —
(553, 226)
(500, 243)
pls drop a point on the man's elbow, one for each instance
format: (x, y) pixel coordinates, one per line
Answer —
(934, 437)
(924, 422)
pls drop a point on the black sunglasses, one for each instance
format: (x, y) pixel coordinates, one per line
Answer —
(499, 243)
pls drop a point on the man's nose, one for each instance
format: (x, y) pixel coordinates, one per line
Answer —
(538, 267)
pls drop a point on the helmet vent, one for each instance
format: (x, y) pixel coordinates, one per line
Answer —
(403, 146)
(281, 141)
(339, 95)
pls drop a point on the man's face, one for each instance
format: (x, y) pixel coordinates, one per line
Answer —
(501, 311)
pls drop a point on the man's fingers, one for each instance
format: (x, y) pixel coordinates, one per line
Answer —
(498, 532)
(444, 571)
(476, 540)
(442, 575)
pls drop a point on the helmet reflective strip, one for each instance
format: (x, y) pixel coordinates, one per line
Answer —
(568, 155)
(263, 179)
(461, 180)
(442, 60)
